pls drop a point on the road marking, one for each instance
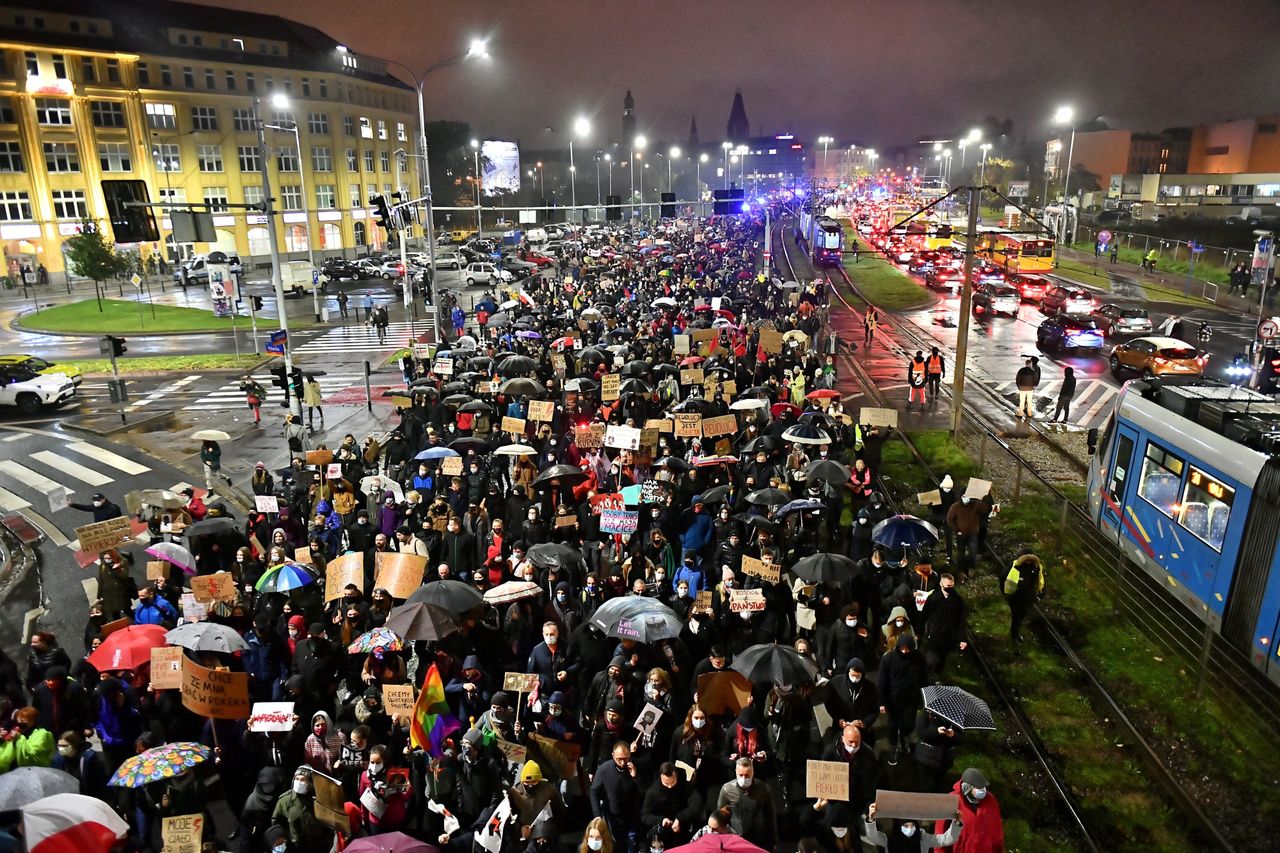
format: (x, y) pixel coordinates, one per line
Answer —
(26, 476)
(1105, 399)
(115, 460)
(75, 469)
(56, 536)
(9, 502)
(17, 436)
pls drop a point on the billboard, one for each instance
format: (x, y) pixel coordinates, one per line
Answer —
(501, 164)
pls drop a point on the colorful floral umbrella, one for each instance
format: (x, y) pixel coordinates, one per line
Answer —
(379, 638)
(162, 762)
(284, 577)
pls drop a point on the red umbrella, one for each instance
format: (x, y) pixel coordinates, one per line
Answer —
(127, 648)
(562, 343)
(822, 394)
(778, 408)
(709, 461)
(725, 312)
(692, 360)
(702, 308)
(716, 843)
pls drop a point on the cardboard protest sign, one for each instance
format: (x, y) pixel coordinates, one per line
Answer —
(303, 555)
(166, 667)
(722, 425)
(442, 366)
(653, 492)
(515, 425)
(703, 335)
(401, 402)
(157, 569)
(192, 610)
(878, 417)
(589, 436)
(688, 425)
(771, 341)
(451, 466)
(933, 498)
(760, 569)
(397, 700)
(566, 521)
(561, 756)
(691, 376)
(349, 568)
(487, 387)
(702, 602)
(219, 586)
(328, 805)
(648, 719)
(619, 521)
(977, 488)
(827, 780)
(558, 363)
(102, 535)
(115, 625)
(266, 503)
(609, 384)
(723, 692)
(649, 438)
(680, 344)
(917, 807)
(271, 717)
(622, 437)
(182, 833)
(319, 457)
(746, 600)
(513, 752)
(398, 574)
(660, 424)
(519, 682)
(214, 693)
(541, 410)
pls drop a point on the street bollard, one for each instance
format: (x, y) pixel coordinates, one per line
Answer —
(368, 391)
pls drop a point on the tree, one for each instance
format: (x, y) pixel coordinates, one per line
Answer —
(91, 254)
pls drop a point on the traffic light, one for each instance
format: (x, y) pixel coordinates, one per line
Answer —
(613, 208)
(255, 302)
(1269, 371)
(400, 270)
(381, 211)
(296, 380)
(281, 381)
(117, 346)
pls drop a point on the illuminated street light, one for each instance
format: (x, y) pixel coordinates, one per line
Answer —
(1065, 115)
(581, 128)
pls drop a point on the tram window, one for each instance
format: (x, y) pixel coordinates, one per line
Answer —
(1206, 507)
(1037, 249)
(1120, 471)
(1161, 476)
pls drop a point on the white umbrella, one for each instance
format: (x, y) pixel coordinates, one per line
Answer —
(366, 486)
(206, 637)
(210, 435)
(748, 403)
(666, 301)
(509, 304)
(515, 450)
(465, 342)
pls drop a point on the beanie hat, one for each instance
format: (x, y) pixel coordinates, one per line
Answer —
(531, 772)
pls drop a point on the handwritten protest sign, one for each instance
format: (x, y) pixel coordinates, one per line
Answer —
(102, 535)
(442, 366)
(622, 437)
(266, 503)
(589, 436)
(219, 586)
(827, 780)
(619, 521)
(519, 682)
(157, 569)
(977, 488)
(649, 438)
(451, 466)
(933, 498)
(303, 556)
(871, 416)
(399, 574)
(566, 521)
(702, 602)
(771, 341)
(214, 693)
(760, 569)
(182, 833)
(515, 425)
(680, 344)
(691, 376)
(912, 806)
(347, 569)
(397, 700)
(722, 425)
(513, 752)
(609, 384)
(660, 424)
(558, 363)
(192, 610)
(688, 425)
(741, 600)
(166, 667)
(271, 717)
(653, 492)
(319, 457)
(703, 335)
(541, 410)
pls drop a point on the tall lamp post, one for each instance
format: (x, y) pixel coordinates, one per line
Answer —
(475, 152)
(702, 158)
(1066, 115)
(542, 181)
(982, 170)
(599, 200)
(637, 148)
(946, 155)
(608, 158)
(581, 128)
(478, 49)
(671, 155)
(726, 146)
(872, 156)
(292, 127)
(824, 141)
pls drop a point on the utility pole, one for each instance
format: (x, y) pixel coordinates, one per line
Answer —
(962, 325)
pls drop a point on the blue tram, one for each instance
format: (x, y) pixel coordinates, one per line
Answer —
(1186, 479)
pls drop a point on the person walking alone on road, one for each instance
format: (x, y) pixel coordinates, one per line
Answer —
(380, 321)
(870, 320)
(1023, 586)
(1065, 393)
(367, 304)
(916, 377)
(211, 459)
(343, 299)
(1115, 251)
(295, 435)
(254, 394)
(312, 397)
(1028, 377)
(934, 368)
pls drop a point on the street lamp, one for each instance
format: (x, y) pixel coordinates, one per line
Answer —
(824, 141)
(671, 155)
(637, 144)
(726, 146)
(741, 151)
(982, 170)
(281, 101)
(542, 181)
(702, 158)
(946, 156)
(608, 158)
(872, 155)
(478, 49)
(581, 127)
(1066, 115)
(475, 151)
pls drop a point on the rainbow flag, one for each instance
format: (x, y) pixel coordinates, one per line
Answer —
(432, 722)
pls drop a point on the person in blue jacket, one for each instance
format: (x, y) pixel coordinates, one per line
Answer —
(698, 529)
(690, 572)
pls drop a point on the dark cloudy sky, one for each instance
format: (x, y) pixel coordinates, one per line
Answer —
(875, 71)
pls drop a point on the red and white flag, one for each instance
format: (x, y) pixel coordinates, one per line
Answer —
(71, 823)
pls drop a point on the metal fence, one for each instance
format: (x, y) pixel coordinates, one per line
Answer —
(1181, 642)
(1173, 251)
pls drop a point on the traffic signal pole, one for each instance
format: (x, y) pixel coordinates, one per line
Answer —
(268, 208)
(962, 324)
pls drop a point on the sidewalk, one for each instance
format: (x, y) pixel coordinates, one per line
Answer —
(1158, 283)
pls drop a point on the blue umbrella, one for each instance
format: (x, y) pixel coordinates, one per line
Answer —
(285, 577)
(437, 453)
(904, 531)
(487, 305)
(799, 506)
(530, 334)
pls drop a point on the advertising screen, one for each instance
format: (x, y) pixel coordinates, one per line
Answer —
(500, 162)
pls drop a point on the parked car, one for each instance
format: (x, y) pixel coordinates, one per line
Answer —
(994, 299)
(1031, 288)
(197, 269)
(536, 258)
(520, 269)
(1114, 320)
(1068, 332)
(482, 272)
(450, 260)
(1158, 356)
(30, 391)
(1071, 300)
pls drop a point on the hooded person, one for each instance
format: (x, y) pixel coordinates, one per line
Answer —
(747, 737)
(323, 747)
(468, 692)
(853, 699)
(532, 794)
(295, 813)
(979, 813)
(902, 677)
(255, 816)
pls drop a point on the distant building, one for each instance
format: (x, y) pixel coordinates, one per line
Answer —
(738, 128)
(1241, 146)
(628, 119)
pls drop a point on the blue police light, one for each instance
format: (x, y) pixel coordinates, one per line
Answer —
(799, 193)
(760, 200)
(746, 206)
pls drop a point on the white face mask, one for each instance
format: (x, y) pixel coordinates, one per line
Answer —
(744, 781)
(855, 679)
(908, 830)
(375, 767)
(852, 623)
(698, 722)
(595, 843)
(550, 639)
(66, 751)
(300, 787)
(979, 793)
(839, 831)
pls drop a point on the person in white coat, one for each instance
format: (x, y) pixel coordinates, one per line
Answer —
(907, 831)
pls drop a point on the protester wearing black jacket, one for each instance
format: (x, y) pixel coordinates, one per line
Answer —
(672, 806)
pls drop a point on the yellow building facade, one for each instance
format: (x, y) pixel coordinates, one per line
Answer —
(94, 90)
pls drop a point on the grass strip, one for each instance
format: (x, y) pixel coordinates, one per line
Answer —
(123, 316)
(161, 363)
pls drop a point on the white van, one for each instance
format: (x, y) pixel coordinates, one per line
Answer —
(536, 235)
(298, 277)
(483, 271)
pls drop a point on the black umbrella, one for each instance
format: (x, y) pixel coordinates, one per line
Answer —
(758, 521)
(636, 368)
(715, 495)
(767, 443)
(635, 386)
(825, 568)
(561, 474)
(827, 471)
(475, 406)
(594, 355)
(454, 388)
(521, 386)
(418, 621)
(210, 526)
(770, 662)
(424, 382)
(693, 404)
(502, 318)
(665, 369)
(553, 555)
(758, 391)
(804, 433)
(904, 531)
(456, 399)
(469, 442)
(581, 384)
(767, 497)
(516, 365)
(675, 463)
(650, 626)
(452, 596)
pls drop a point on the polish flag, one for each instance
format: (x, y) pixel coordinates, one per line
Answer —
(71, 823)
(527, 299)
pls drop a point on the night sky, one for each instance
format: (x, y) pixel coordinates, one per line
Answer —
(878, 73)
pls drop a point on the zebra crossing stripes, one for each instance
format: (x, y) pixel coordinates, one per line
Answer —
(1090, 403)
(360, 337)
(229, 396)
(72, 468)
(106, 457)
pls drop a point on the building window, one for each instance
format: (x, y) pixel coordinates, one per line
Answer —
(382, 129)
(249, 159)
(88, 73)
(249, 84)
(209, 157)
(370, 190)
(326, 198)
(352, 164)
(15, 207)
(115, 157)
(321, 159)
(51, 111)
(358, 231)
(306, 87)
(33, 63)
(384, 160)
(330, 236)
(6, 111)
(230, 80)
(113, 71)
(59, 66)
(188, 77)
(204, 118)
(216, 198)
(10, 157)
(282, 118)
(161, 117)
(366, 128)
(182, 38)
(353, 193)
(70, 204)
(1267, 190)
(253, 194)
(288, 86)
(324, 88)
(209, 79)
(198, 41)
(242, 119)
(291, 197)
(318, 123)
(144, 74)
(368, 160)
(107, 113)
(348, 126)
(166, 76)
(400, 134)
(1217, 150)
(61, 157)
(287, 160)
(167, 157)
(172, 195)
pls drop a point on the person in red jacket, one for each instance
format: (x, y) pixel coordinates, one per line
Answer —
(980, 814)
(383, 797)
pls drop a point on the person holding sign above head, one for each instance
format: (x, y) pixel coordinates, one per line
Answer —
(909, 837)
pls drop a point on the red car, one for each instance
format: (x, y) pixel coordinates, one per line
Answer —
(1031, 288)
(537, 259)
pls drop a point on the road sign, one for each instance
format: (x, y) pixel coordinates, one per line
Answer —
(135, 279)
(1269, 329)
(1196, 248)
(277, 342)
(1019, 189)
(1104, 236)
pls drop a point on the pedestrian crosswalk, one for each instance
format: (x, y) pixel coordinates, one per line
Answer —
(229, 396)
(38, 475)
(361, 337)
(1088, 408)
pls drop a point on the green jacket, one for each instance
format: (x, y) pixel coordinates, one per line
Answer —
(297, 815)
(33, 750)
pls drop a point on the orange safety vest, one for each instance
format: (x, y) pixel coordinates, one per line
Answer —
(934, 364)
(917, 372)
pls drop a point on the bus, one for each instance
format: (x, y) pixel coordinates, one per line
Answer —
(1018, 252)
(938, 236)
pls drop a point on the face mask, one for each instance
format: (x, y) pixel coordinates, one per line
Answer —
(862, 521)
(744, 781)
(979, 793)
(550, 639)
(591, 587)
(560, 596)
(651, 691)
(900, 623)
(293, 635)
(280, 848)
(683, 592)
(595, 843)
(964, 500)
(699, 723)
(375, 767)
(301, 788)
(555, 712)
(65, 750)
(851, 748)
(823, 454)
(239, 558)
(908, 830)
(852, 623)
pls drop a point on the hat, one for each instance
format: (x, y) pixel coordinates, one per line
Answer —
(531, 772)
(99, 496)
(906, 641)
(619, 661)
(501, 699)
(262, 465)
(473, 737)
(614, 705)
(973, 776)
(556, 698)
(947, 483)
(726, 574)
(856, 665)
(274, 834)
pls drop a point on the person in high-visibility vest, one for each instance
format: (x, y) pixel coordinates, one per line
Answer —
(1023, 586)
(916, 377)
(934, 368)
